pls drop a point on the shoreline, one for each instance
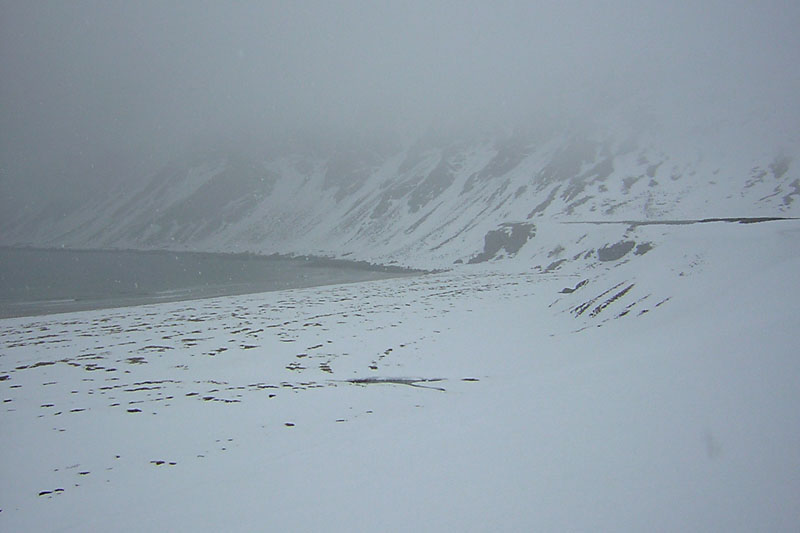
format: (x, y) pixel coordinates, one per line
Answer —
(87, 296)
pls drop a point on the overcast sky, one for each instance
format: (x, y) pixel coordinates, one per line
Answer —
(91, 87)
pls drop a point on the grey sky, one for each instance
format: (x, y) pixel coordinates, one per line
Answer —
(91, 87)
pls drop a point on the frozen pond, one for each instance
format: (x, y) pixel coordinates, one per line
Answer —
(36, 281)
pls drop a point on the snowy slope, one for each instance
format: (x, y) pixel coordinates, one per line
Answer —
(444, 199)
(473, 400)
(612, 348)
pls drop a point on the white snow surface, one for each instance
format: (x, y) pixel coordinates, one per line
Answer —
(662, 394)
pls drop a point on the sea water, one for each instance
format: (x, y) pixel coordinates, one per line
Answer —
(43, 281)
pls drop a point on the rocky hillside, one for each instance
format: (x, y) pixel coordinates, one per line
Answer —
(545, 198)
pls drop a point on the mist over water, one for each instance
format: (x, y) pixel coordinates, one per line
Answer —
(605, 193)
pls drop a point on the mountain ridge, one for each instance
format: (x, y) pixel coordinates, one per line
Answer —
(432, 204)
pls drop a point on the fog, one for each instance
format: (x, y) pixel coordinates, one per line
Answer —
(97, 91)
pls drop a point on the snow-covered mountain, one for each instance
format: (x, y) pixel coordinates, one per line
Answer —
(612, 347)
(629, 395)
(442, 199)
(604, 196)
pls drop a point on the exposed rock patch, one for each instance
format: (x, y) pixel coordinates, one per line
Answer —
(510, 237)
(570, 290)
(616, 251)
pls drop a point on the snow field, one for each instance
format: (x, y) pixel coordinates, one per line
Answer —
(683, 417)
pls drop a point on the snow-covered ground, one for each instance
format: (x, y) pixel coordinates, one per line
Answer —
(662, 394)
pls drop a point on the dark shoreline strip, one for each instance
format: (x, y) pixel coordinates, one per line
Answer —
(740, 220)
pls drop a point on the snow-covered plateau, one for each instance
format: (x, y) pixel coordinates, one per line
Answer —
(611, 348)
